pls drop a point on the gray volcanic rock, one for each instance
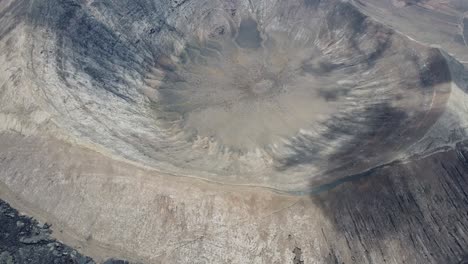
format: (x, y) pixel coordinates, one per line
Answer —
(237, 131)
(425, 213)
(433, 22)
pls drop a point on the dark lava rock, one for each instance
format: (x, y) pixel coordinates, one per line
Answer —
(24, 240)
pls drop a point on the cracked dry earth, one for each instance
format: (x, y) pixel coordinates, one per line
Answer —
(302, 131)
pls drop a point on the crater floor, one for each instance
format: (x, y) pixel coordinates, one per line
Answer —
(284, 95)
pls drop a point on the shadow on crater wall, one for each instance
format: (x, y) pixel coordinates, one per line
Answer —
(404, 212)
(420, 206)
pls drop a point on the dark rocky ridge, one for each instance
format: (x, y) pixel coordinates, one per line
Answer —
(24, 241)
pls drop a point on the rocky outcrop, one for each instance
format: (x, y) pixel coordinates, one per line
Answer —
(24, 240)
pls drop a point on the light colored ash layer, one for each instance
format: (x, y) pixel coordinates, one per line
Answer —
(275, 95)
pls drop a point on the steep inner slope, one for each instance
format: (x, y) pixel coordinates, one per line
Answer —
(277, 95)
(285, 94)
